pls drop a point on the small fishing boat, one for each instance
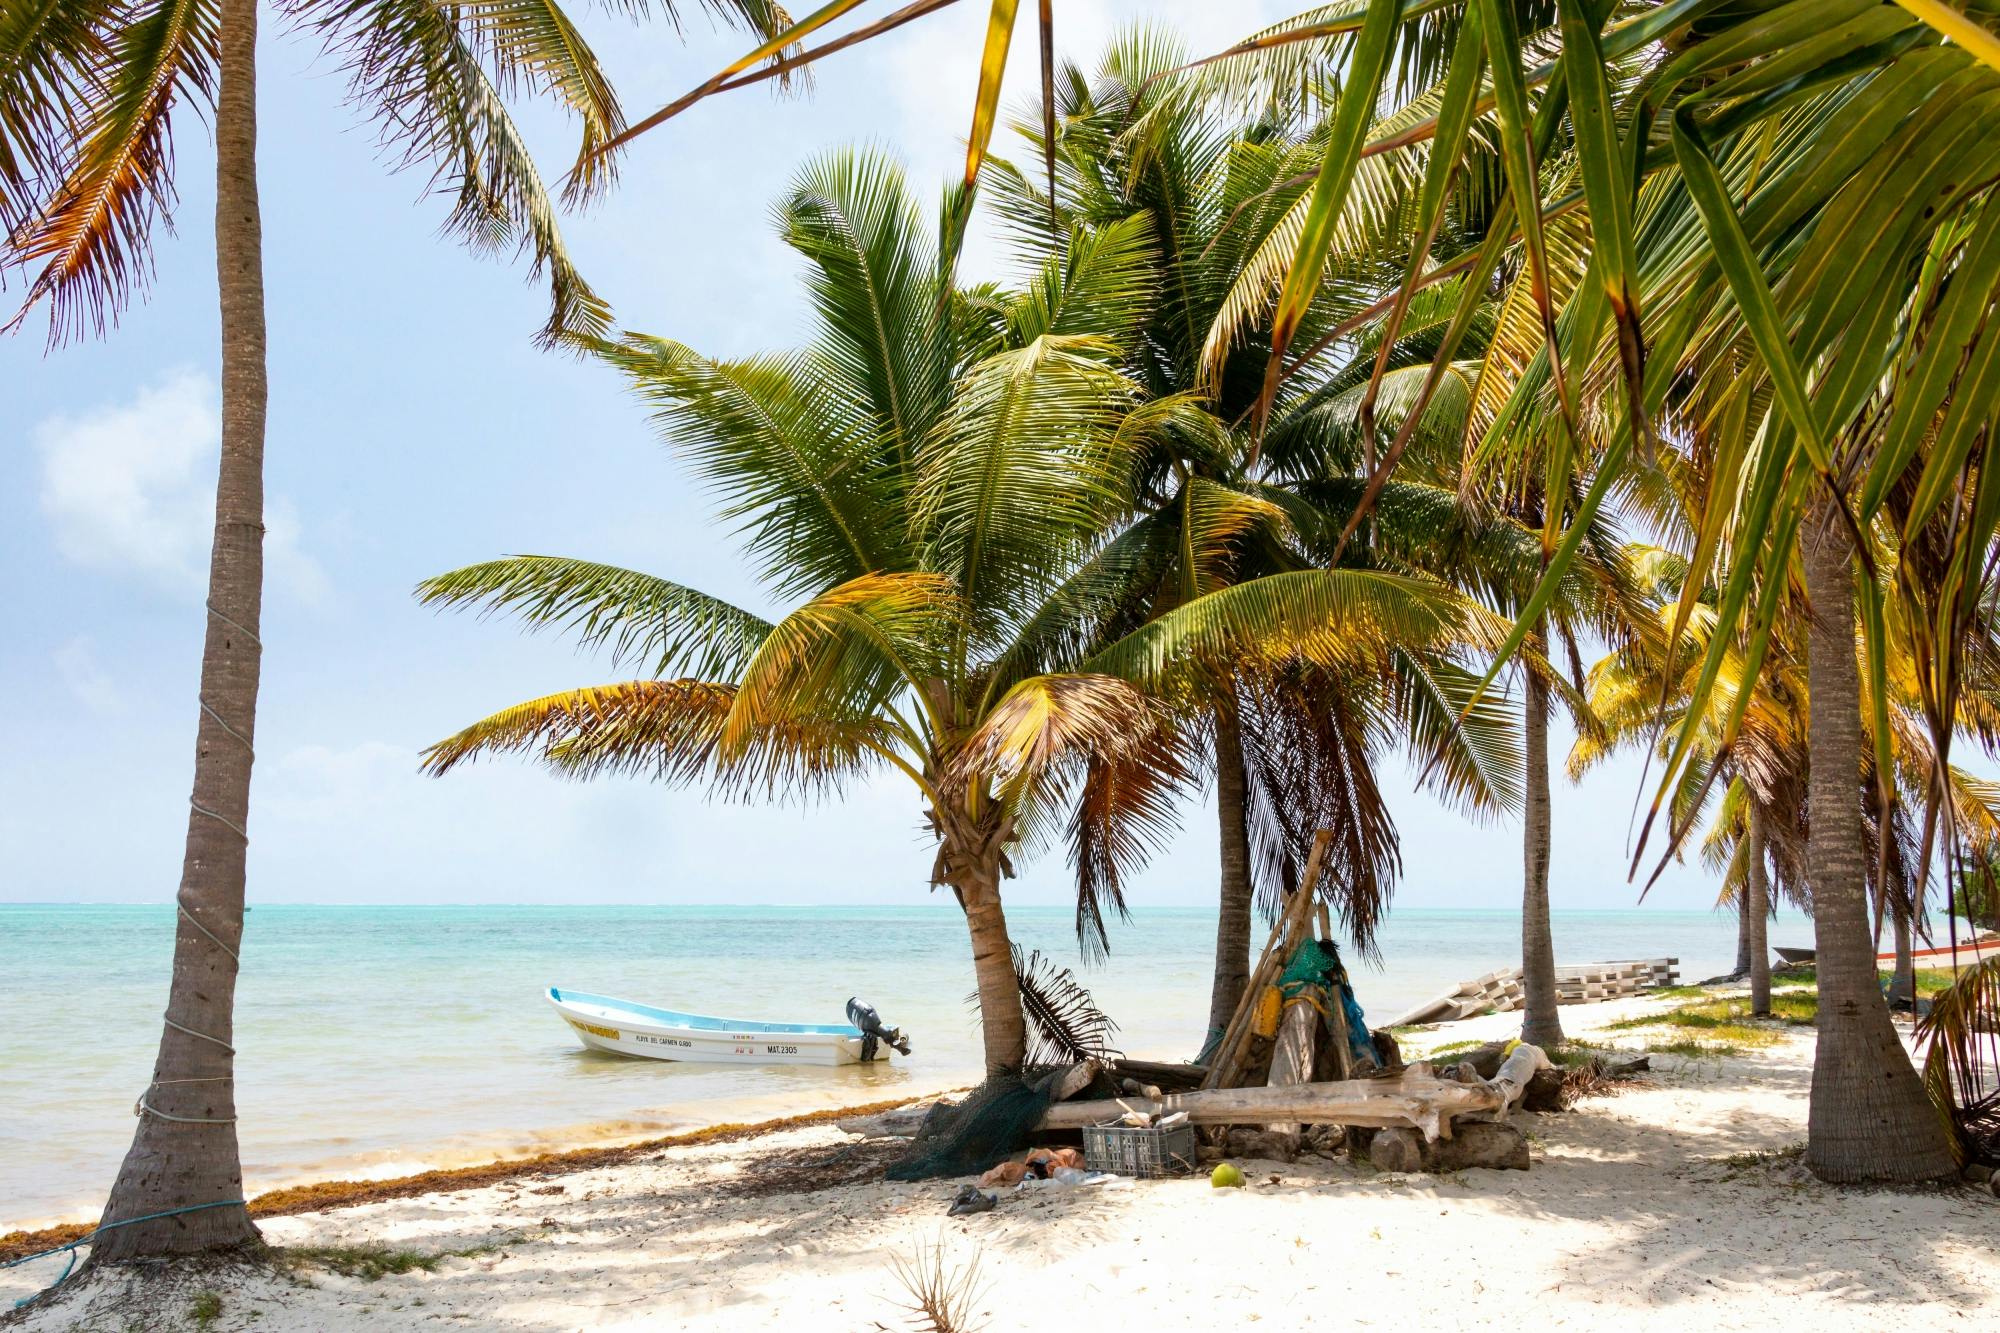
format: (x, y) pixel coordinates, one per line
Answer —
(1968, 952)
(1794, 956)
(624, 1028)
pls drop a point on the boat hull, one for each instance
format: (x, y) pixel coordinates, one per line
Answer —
(623, 1028)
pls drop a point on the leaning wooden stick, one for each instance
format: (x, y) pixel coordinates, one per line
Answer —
(1223, 1065)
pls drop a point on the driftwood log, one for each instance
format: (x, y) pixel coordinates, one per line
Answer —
(903, 1122)
(1292, 1061)
(1161, 1074)
(1415, 1099)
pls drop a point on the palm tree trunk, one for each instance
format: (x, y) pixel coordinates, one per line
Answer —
(184, 1153)
(970, 858)
(1903, 981)
(1742, 968)
(1541, 1025)
(1869, 1118)
(1232, 925)
(1757, 914)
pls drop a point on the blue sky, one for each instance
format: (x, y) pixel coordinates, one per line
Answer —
(413, 428)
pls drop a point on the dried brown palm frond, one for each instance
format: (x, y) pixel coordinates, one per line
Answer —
(1064, 1022)
(1310, 745)
(1065, 1026)
(1961, 1040)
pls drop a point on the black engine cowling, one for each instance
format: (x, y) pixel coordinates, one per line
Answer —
(873, 1030)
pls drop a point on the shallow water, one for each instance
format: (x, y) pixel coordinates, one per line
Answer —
(383, 1040)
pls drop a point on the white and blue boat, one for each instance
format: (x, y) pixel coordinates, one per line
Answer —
(624, 1028)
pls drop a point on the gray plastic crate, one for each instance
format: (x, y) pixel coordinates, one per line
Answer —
(1130, 1151)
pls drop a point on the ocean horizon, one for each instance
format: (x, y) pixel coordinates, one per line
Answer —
(379, 1040)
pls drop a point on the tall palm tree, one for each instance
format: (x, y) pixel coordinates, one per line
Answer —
(944, 478)
(89, 91)
(1863, 247)
(1142, 141)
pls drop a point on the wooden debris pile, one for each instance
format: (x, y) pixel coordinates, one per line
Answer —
(1296, 1068)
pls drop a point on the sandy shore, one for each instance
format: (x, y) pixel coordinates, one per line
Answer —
(1669, 1206)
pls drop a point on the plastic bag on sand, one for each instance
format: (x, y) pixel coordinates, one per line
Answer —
(1039, 1163)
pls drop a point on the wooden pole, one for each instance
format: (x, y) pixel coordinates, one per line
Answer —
(1223, 1065)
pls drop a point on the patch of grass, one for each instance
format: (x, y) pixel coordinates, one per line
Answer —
(1692, 1048)
(1729, 1019)
(371, 1263)
(1575, 1053)
(1453, 1047)
(1680, 992)
(1764, 1157)
(205, 1309)
(1930, 980)
(1738, 1163)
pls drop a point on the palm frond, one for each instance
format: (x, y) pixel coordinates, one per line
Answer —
(1102, 285)
(1334, 618)
(1021, 473)
(1065, 1026)
(1960, 1037)
(1046, 721)
(1311, 740)
(843, 656)
(669, 728)
(434, 77)
(669, 628)
(800, 472)
(92, 233)
(1127, 806)
(672, 731)
(52, 53)
(871, 276)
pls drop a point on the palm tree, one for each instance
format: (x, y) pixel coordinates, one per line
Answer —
(1863, 246)
(944, 478)
(88, 95)
(1296, 749)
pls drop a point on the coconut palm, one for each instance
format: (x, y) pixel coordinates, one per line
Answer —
(91, 93)
(934, 482)
(1862, 247)
(1296, 749)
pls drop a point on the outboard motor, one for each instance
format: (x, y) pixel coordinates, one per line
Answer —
(864, 1017)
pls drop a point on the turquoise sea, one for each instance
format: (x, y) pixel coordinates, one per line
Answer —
(383, 1040)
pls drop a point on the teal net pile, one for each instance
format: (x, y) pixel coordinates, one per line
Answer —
(1317, 963)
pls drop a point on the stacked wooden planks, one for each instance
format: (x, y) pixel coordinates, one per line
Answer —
(1502, 991)
(1614, 981)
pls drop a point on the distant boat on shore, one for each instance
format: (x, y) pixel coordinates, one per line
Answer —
(1968, 953)
(625, 1028)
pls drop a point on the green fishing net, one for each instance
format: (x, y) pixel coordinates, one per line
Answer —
(995, 1120)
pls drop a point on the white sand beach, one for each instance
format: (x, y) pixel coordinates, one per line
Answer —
(1670, 1205)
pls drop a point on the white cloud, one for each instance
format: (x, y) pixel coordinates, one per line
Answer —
(129, 488)
(76, 662)
(121, 484)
